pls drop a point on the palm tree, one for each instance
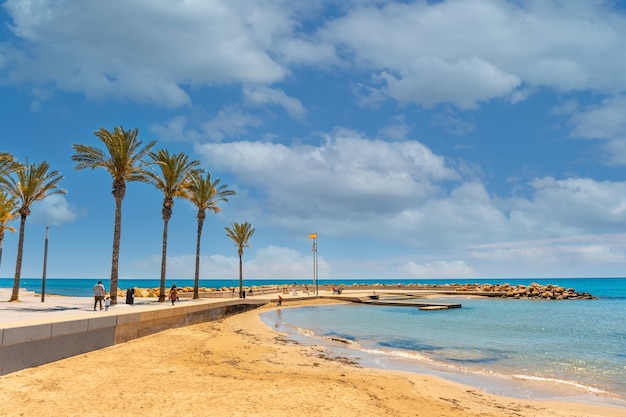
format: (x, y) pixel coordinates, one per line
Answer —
(173, 176)
(205, 195)
(8, 205)
(124, 161)
(28, 184)
(240, 234)
(7, 165)
(8, 213)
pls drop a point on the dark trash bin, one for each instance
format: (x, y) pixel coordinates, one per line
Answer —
(243, 293)
(130, 296)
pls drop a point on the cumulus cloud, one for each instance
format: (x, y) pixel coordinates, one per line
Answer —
(230, 122)
(438, 269)
(345, 173)
(419, 64)
(176, 130)
(398, 129)
(152, 52)
(431, 80)
(604, 122)
(561, 207)
(461, 52)
(259, 95)
(567, 256)
(53, 210)
(464, 52)
(404, 192)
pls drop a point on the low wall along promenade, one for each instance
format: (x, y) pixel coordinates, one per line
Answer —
(27, 345)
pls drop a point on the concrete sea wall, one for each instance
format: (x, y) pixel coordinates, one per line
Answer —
(36, 344)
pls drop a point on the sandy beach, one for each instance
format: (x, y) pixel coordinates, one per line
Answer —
(240, 367)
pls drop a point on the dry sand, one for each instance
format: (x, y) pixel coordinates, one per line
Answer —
(240, 367)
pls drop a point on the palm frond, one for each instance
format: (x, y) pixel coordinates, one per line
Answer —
(240, 234)
(171, 173)
(31, 183)
(207, 194)
(123, 158)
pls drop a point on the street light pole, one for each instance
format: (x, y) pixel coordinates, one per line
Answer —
(314, 250)
(316, 269)
(45, 262)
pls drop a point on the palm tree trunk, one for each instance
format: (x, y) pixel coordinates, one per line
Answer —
(167, 213)
(196, 282)
(1, 242)
(18, 264)
(115, 262)
(240, 275)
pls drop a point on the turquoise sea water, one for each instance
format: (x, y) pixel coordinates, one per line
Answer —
(569, 349)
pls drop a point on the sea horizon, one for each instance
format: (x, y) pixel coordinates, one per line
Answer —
(82, 287)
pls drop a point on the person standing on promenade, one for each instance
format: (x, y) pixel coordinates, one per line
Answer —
(173, 294)
(98, 294)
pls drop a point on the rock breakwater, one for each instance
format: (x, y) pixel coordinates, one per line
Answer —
(532, 291)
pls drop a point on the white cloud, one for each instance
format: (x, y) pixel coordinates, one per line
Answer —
(464, 52)
(571, 206)
(347, 175)
(398, 129)
(152, 51)
(307, 52)
(175, 130)
(438, 269)
(405, 193)
(53, 210)
(230, 122)
(604, 122)
(431, 80)
(568, 256)
(269, 262)
(259, 95)
(460, 52)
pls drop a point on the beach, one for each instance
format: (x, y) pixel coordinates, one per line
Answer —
(238, 366)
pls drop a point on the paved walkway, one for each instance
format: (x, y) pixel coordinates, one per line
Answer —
(31, 310)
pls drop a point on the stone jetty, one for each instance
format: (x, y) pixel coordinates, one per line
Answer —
(532, 291)
(517, 291)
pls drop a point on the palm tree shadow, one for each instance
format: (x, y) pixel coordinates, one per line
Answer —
(55, 308)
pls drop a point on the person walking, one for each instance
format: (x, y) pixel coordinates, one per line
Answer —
(173, 294)
(98, 294)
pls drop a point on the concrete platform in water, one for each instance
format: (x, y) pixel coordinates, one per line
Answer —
(399, 300)
(409, 302)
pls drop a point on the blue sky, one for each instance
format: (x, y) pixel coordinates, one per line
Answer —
(418, 139)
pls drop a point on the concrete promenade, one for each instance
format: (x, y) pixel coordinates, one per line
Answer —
(34, 332)
(30, 309)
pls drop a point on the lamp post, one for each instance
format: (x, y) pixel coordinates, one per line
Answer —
(45, 262)
(314, 250)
